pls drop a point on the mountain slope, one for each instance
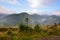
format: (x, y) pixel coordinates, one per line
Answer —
(15, 19)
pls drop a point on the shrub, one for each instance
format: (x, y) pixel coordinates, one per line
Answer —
(37, 28)
(9, 32)
(21, 27)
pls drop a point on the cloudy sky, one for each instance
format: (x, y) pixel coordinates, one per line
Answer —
(50, 7)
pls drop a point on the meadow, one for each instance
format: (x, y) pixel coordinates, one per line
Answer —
(23, 32)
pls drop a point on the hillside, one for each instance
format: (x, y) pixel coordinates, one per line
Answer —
(15, 19)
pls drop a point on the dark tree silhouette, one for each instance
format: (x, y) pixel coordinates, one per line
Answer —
(26, 20)
(37, 28)
(21, 27)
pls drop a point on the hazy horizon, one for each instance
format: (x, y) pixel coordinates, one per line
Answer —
(41, 7)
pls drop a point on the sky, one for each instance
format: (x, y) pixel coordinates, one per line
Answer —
(41, 7)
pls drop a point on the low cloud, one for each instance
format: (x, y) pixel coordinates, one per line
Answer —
(40, 12)
(6, 10)
(33, 11)
(13, 2)
(40, 3)
(57, 12)
(36, 11)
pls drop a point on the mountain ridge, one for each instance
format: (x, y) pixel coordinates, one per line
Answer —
(15, 19)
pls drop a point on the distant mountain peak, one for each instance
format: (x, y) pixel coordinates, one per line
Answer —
(24, 13)
(15, 19)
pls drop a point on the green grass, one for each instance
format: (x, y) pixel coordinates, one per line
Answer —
(27, 35)
(20, 36)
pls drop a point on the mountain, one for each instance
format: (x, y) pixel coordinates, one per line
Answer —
(2, 15)
(53, 19)
(15, 19)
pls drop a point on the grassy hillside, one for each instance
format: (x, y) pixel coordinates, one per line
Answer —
(30, 33)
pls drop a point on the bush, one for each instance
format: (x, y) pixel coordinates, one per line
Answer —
(37, 28)
(21, 27)
(9, 32)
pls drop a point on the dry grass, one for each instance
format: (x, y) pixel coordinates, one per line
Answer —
(25, 35)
